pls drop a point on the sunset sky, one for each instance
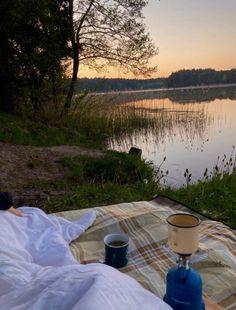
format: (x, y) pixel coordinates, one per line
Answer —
(189, 34)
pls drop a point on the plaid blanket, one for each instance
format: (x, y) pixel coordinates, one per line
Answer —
(149, 255)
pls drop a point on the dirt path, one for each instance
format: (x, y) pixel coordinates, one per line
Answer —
(35, 174)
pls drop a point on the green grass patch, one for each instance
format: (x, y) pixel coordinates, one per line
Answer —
(116, 177)
(116, 167)
(90, 125)
(15, 129)
(93, 195)
(215, 198)
(119, 177)
(214, 201)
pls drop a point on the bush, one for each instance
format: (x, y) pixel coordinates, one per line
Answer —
(119, 168)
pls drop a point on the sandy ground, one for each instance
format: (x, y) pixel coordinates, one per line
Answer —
(34, 174)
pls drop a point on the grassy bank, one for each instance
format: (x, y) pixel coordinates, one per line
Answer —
(28, 131)
(116, 177)
(90, 125)
(215, 198)
(119, 177)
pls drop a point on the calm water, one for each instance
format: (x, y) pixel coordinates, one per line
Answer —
(191, 132)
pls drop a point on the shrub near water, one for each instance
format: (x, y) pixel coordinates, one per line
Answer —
(119, 168)
(114, 178)
(120, 177)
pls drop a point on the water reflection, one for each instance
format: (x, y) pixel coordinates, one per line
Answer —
(180, 95)
(191, 135)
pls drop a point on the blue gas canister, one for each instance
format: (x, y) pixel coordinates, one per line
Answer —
(184, 289)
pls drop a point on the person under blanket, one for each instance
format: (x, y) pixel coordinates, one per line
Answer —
(6, 203)
(40, 272)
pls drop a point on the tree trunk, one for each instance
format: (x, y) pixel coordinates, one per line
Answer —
(7, 85)
(70, 93)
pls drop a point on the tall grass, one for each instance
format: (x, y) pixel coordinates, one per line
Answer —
(90, 123)
(102, 122)
(119, 177)
(215, 194)
(116, 167)
(95, 123)
(215, 198)
(28, 131)
(114, 178)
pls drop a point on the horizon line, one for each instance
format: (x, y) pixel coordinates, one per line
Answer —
(155, 78)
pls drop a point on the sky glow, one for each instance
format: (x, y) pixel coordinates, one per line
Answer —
(189, 34)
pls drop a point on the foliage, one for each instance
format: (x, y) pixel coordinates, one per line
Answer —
(7, 70)
(115, 84)
(33, 43)
(215, 194)
(96, 185)
(108, 33)
(113, 179)
(115, 167)
(26, 131)
(93, 195)
(38, 37)
(215, 198)
(180, 78)
(201, 77)
(112, 33)
(91, 125)
(120, 177)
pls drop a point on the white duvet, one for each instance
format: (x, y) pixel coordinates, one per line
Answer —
(38, 271)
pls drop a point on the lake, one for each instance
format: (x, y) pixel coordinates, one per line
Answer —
(194, 129)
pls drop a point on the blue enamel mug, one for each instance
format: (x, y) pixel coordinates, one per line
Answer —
(116, 250)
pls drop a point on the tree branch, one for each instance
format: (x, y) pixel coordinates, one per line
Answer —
(83, 19)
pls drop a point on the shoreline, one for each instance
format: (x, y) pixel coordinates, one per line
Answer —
(160, 89)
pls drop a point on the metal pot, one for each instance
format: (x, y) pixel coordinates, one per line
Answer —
(183, 233)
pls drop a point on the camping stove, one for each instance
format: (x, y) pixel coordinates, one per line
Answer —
(183, 283)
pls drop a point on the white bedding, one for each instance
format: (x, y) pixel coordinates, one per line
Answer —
(38, 271)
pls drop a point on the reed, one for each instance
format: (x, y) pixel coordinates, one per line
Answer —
(96, 123)
(214, 194)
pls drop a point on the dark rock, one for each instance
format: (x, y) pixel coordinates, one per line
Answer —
(135, 151)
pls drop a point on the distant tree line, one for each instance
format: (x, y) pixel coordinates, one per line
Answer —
(106, 85)
(180, 78)
(197, 77)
